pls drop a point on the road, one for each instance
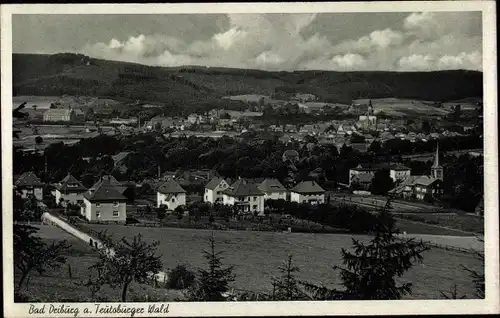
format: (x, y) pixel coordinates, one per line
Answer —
(379, 202)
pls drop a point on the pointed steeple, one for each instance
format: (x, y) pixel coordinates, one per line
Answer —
(437, 170)
(436, 158)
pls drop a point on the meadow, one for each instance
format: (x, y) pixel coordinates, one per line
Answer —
(257, 255)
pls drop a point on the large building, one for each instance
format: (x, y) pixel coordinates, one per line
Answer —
(70, 190)
(171, 194)
(308, 192)
(28, 184)
(246, 196)
(272, 189)
(104, 202)
(59, 114)
(422, 187)
(214, 190)
(364, 172)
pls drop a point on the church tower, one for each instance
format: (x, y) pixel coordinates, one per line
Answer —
(370, 109)
(437, 169)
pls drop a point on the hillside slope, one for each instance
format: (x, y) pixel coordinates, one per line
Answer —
(81, 75)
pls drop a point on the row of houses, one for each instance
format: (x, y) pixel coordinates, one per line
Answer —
(249, 196)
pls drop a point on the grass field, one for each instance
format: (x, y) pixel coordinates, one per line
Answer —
(257, 255)
(56, 286)
(464, 222)
(403, 107)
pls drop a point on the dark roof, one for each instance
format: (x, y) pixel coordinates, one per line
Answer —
(308, 187)
(242, 188)
(28, 179)
(379, 166)
(425, 180)
(104, 190)
(119, 157)
(362, 178)
(271, 185)
(70, 183)
(170, 186)
(214, 183)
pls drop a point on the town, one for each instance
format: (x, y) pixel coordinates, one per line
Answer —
(189, 177)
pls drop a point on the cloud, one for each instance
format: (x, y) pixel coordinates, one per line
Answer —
(422, 41)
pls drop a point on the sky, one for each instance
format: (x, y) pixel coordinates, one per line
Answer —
(389, 41)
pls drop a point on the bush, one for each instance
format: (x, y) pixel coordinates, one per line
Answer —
(180, 278)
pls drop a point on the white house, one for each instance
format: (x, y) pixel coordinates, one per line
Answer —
(399, 172)
(246, 196)
(70, 190)
(171, 194)
(308, 192)
(214, 189)
(103, 202)
(28, 185)
(273, 189)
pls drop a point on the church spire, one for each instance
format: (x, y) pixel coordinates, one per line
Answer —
(436, 169)
(436, 157)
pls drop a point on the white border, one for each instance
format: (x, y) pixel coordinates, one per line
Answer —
(487, 306)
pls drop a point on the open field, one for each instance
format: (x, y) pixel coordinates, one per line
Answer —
(257, 255)
(56, 286)
(403, 107)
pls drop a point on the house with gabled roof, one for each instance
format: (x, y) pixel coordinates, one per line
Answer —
(28, 184)
(244, 195)
(422, 187)
(308, 192)
(170, 194)
(104, 202)
(70, 190)
(273, 189)
(213, 190)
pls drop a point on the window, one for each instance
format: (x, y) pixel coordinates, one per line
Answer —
(254, 206)
(97, 214)
(173, 199)
(97, 205)
(115, 203)
(255, 198)
(116, 214)
(304, 201)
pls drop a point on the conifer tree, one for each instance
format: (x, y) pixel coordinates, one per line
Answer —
(370, 270)
(212, 284)
(286, 287)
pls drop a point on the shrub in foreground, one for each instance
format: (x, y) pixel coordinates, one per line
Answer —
(180, 278)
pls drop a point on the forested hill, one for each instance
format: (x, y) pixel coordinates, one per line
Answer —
(76, 74)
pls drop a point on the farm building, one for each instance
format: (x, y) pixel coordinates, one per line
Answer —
(308, 192)
(70, 190)
(104, 202)
(214, 189)
(28, 184)
(171, 194)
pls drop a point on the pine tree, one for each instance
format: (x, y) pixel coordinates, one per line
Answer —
(212, 284)
(371, 269)
(477, 277)
(286, 287)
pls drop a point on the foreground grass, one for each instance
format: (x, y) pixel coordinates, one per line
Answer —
(257, 255)
(57, 286)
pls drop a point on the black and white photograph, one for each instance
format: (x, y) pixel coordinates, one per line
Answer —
(237, 155)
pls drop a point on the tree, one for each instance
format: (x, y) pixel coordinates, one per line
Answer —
(477, 277)
(381, 182)
(453, 294)
(370, 270)
(375, 147)
(126, 261)
(286, 287)
(38, 140)
(32, 254)
(212, 284)
(161, 212)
